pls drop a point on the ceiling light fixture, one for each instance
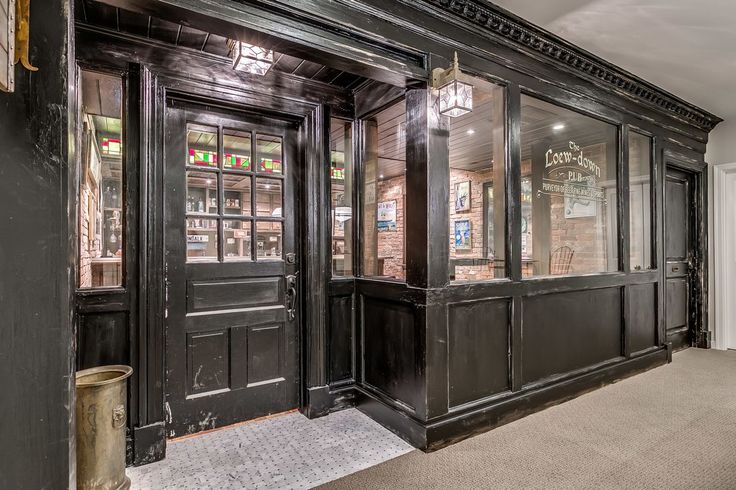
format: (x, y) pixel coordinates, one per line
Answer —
(558, 127)
(380, 176)
(250, 58)
(471, 131)
(455, 93)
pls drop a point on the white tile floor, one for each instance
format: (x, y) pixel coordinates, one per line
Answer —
(287, 451)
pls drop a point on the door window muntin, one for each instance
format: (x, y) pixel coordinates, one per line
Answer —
(236, 218)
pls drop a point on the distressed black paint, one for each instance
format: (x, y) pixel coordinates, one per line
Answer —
(36, 240)
(396, 349)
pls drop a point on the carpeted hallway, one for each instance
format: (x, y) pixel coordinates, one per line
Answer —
(672, 427)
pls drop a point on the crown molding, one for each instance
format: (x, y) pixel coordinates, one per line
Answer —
(522, 34)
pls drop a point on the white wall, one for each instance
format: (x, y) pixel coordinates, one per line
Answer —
(722, 144)
(721, 157)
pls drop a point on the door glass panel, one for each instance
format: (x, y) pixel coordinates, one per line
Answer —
(201, 146)
(269, 154)
(101, 204)
(237, 150)
(237, 194)
(237, 239)
(202, 192)
(269, 236)
(269, 198)
(201, 239)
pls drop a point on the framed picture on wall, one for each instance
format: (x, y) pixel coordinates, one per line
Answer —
(462, 196)
(463, 235)
(386, 216)
(576, 207)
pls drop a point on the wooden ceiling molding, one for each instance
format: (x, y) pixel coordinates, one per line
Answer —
(513, 30)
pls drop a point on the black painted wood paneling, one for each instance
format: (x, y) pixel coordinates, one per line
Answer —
(104, 338)
(570, 331)
(340, 339)
(642, 316)
(37, 239)
(233, 293)
(390, 353)
(478, 350)
(207, 361)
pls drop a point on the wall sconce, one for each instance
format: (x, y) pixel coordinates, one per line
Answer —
(455, 93)
(250, 58)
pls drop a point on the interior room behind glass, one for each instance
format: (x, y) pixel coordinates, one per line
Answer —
(384, 191)
(477, 187)
(569, 218)
(341, 201)
(101, 204)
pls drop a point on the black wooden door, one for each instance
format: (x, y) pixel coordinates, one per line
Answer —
(231, 320)
(680, 254)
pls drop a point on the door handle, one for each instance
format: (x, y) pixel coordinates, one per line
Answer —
(291, 293)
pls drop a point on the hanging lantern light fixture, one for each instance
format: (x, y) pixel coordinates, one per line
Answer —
(250, 58)
(455, 93)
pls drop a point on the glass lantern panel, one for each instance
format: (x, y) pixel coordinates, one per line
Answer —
(456, 98)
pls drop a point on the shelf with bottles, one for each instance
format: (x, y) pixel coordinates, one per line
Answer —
(236, 202)
(201, 200)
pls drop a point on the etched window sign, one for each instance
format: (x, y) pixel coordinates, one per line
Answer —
(7, 45)
(573, 174)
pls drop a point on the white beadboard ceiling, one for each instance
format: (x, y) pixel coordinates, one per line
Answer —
(687, 47)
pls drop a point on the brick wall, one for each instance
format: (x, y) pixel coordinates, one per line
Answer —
(391, 243)
(475, 215)
(87, 211)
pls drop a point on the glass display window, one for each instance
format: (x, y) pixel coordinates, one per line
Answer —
(101, 184)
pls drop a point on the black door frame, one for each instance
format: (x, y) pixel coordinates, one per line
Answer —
(698, 169)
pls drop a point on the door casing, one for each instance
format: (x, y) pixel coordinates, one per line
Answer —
(698, 294)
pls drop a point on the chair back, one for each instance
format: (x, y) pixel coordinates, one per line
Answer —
(560, 260)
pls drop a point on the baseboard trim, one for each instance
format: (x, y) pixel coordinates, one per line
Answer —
(452, 428)
(322, 400)
(149, 443)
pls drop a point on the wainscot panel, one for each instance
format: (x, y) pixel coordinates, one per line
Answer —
(642, 316)
(103, 339)
(233, 293)
(569, 331)
(340, 339)
(390, 350)
(478, 350)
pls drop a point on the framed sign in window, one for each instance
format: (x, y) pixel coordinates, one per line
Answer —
(7, 45)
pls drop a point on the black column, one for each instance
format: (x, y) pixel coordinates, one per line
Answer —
(427, 192)
(36, 239)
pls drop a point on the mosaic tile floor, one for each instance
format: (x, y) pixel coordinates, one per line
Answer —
(287, 451)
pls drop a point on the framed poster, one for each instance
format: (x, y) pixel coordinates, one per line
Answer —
(463, 235)
(386, 219)
(577, 207)
(462, 196)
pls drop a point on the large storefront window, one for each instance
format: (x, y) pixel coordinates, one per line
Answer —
(341, 196)
(640, 211)
(101, 203)
(384, 190)
(569, 213)
(477, 187)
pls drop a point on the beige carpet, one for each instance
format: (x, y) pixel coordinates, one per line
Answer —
(672, 427)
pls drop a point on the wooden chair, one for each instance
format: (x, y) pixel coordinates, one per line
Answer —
(560, 260)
